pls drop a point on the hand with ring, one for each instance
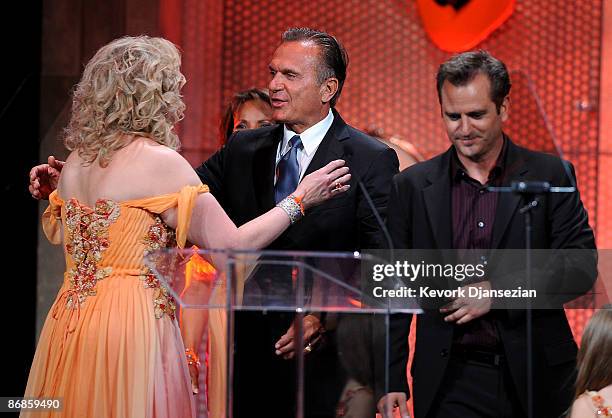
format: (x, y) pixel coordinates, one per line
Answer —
(312, 343)
(324, 183)
(313, 332)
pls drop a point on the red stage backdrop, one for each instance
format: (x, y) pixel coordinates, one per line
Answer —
(552, 48)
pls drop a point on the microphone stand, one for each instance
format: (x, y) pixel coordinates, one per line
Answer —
(387, 236)
(530, 192)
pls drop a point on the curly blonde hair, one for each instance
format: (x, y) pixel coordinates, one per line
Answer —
(130, 86)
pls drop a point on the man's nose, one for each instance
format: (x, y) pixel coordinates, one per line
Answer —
(275, 83)
(464, 125)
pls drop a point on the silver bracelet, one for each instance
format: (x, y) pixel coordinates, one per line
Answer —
(292, 208)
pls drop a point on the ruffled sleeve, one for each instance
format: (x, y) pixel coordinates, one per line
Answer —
(52, 219)
(183, 200)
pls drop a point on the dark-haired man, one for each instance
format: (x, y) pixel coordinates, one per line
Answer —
(307, 73)
(470, 360)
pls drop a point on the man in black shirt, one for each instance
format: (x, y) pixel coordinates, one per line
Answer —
(471, 360)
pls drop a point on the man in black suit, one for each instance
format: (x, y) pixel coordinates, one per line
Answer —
(307, 72)
(471, 360)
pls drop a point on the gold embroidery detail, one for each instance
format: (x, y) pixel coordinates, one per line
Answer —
(159, 236)
(86, 241)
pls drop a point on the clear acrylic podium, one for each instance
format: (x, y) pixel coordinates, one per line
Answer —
(242, 306)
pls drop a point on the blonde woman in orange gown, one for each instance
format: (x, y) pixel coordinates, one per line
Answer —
(111, 345)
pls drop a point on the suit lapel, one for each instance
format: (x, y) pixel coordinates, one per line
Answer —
(508, 202)
(331, 146)
(264, 162)
(437, 198)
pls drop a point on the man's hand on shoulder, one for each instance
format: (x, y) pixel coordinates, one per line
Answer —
(44, 178)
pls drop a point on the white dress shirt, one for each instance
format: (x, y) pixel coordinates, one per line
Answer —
(311, 139)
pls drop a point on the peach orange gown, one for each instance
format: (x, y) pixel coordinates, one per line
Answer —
(111, 345)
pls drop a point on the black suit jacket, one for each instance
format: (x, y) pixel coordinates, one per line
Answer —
(419, 217)
(241, 177)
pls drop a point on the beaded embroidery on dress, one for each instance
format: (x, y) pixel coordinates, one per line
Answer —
(601, 410)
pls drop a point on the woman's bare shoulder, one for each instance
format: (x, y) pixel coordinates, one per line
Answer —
(141, 169)
(582, 407)
(585, 406)
(71, 175)
(164, 167)
(607, 393)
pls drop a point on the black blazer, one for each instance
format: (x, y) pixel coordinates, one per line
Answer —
(419, 217)
(241, 177)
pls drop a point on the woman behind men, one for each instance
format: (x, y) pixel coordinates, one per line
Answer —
(111, 346)
(594, 380)
(248, 109)
(407, 153)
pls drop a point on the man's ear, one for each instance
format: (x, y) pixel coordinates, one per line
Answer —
(504, 109)
(329, 88)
